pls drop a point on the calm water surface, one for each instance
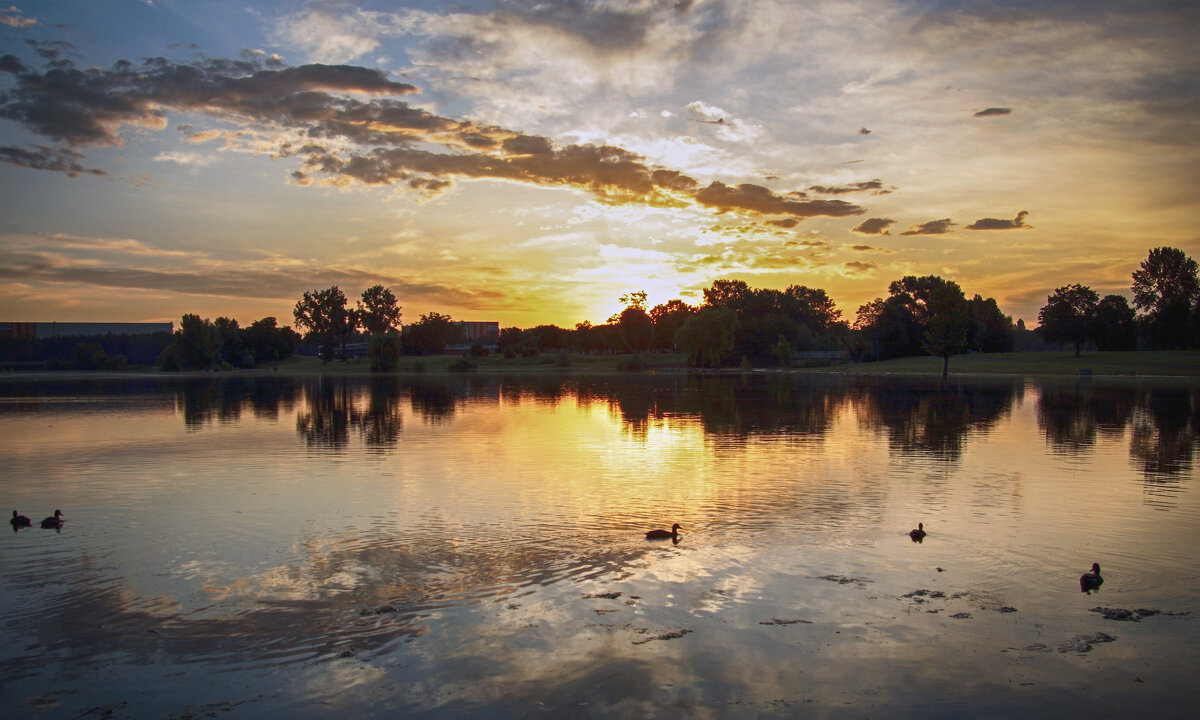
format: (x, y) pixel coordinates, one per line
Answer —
(474, 546)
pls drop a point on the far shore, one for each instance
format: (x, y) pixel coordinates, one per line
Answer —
(1177, 364)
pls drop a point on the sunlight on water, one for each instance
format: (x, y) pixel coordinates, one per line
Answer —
(475, 545)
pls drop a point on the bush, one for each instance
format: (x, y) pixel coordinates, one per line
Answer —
(384, 351)
(460, 365)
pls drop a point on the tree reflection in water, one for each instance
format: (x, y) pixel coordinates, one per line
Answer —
(919, 416)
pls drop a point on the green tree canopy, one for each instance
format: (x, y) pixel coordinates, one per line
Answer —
(708, 336)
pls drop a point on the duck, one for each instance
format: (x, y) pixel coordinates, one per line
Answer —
(657, 534)
(1091, 580)
(20, 521)
(54, 521)
(919, 534)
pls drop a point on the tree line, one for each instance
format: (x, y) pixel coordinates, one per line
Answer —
(735, 324)
(1165, 288)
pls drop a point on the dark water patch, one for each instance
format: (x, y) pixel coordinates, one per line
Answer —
(1085, 643)
(1122, 614)
(785, 621)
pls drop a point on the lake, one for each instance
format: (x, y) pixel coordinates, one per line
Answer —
(440, 547)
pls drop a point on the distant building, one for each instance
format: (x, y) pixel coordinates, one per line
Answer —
(42, 330)
(486, 334)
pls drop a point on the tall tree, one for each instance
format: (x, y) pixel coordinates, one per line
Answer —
(431, 334)
(1166, 288)
(949, 318)
(634, 322)
(329, 322)
(708, 336)
(378, 311)
(1115, 325)
(668, 318)
(1068, 315)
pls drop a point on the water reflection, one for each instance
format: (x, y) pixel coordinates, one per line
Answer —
(476, 545)
(1163, 423)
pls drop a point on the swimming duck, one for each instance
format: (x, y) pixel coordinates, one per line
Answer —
(55, 521)
(919, 534)
(20, 521)
(656, 534)
(1091, 580)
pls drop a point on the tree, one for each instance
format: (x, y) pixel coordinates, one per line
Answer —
(328, 321)
(1166, 289)
(378, 311)
(431, 334)
(812, 307)
(384, 350)
(267, 341)
(194, 346)
(634, 323)
(949, 318)
(732, 294)
(667, 319)
(991, 330)
(1068, 315)
(708, 337)
(1115, 325)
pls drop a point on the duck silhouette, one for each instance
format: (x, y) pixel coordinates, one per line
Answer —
(55, 521)
(663, 534)
(19, 521)
(1091, 580)
(919, 534)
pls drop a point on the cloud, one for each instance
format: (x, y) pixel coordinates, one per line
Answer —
(380, 140)
(993, 112)
(1017, 223)
(933, 227)
(857, 268)
(191, 159)
(875, 187)
(12, 18)
(41, 157)
(728, 127)
(874, 226)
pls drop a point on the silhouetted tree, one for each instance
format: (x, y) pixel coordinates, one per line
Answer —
(1166, 289)
(949, 319)
(1115, 325)
(431, 334)
(194, 346)
(708, 337)
(329, 322)
(267, 341)
(1068, 315)
(667, 319)
(991, 330)
(384, 350)
(377, 310)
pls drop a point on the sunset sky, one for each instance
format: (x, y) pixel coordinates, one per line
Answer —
(531, 162)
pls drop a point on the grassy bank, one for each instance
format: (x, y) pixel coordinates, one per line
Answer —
(1174, 364)
(1183, 363)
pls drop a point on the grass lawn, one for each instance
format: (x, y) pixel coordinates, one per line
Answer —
(1174, 363)
(1099, 364)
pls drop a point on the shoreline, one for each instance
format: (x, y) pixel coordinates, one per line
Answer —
(1181, 366)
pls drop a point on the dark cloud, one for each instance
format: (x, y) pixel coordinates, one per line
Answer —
(933, 227)
(862, 248)
(785, 223)
(760, 200)
(375, 141)
(993, 112)
(875, 226)
(996, 224)
(875, 187)
(860, 267)
(264, 284)
(41, 157)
